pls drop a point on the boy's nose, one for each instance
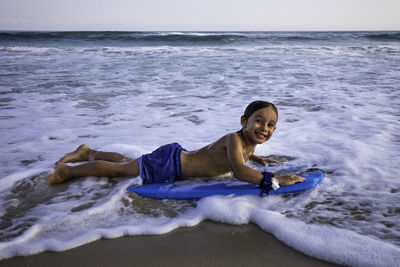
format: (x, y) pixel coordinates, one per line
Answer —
(264, 127)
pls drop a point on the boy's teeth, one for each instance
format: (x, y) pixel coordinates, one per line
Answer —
(262, 135)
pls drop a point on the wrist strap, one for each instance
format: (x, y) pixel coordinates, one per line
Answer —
(266, 182)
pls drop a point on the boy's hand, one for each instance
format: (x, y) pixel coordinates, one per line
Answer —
(258, 160)
(289, 179)
(273, 161)
(263, 160)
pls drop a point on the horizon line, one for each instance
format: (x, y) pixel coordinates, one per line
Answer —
(283, 30)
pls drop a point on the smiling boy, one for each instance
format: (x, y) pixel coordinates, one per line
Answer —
(171, 162)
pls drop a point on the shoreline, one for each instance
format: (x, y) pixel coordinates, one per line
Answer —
(208, 243)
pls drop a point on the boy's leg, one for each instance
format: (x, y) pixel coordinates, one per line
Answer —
(84, 153)
(99, 168)
(109, 156)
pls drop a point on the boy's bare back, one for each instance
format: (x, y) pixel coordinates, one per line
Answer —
(211, 160)
(217, 158)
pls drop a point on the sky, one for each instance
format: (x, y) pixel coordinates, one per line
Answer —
(199, 15)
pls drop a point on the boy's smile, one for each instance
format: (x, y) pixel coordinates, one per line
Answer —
(260, 126)
(261, 135)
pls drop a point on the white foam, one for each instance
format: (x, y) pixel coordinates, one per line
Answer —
(28, 49)
(10, 180)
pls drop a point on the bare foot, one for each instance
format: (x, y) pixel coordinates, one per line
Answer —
(59, 174)
(80, 154)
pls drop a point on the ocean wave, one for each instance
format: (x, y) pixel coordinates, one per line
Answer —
(123, 36)
(384, 36)
(194, 37)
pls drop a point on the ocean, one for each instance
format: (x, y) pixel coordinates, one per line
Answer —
(338, 96)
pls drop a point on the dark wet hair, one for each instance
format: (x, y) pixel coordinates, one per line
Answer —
(256, 105)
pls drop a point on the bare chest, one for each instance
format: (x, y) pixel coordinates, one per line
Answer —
(247, 153)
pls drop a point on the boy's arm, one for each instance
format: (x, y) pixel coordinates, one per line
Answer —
(243, 172)
(235, 155)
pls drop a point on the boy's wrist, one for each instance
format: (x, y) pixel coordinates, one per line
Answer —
(269, 182)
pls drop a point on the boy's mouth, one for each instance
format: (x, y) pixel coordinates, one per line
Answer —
(261, 135)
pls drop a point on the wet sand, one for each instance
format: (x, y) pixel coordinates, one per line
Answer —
(207, 244)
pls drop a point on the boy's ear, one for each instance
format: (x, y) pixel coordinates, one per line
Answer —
(243, 121)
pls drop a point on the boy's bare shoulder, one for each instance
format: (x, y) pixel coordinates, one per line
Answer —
(230, 139)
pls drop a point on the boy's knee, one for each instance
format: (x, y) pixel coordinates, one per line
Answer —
(129, 169)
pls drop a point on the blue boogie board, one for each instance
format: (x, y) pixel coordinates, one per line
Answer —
(193, 189)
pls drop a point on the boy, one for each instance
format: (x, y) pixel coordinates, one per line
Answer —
(171, 162)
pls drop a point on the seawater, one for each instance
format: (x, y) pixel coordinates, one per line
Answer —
(338, 95)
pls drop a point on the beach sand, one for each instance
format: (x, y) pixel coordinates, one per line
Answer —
(207, 244)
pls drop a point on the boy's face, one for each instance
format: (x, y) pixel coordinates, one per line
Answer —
(261, 125)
